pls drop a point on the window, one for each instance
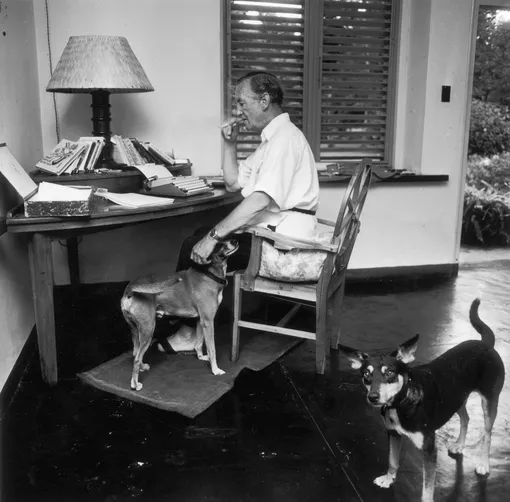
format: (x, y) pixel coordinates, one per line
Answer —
(335, 60)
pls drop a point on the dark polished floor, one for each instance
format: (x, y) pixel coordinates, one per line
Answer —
(283, 434)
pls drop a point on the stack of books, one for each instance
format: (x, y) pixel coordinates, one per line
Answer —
(72, 157)
(132, 152)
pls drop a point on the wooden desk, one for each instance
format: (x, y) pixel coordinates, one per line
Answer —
(42, 231)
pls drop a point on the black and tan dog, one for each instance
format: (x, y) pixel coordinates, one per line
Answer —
(417, 401)
(193, 293)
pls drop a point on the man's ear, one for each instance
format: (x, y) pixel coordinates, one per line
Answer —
(265, 100)
(405, 352)
(356, 357)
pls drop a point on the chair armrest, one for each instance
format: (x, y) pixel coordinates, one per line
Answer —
(328, 223)
(293, 242)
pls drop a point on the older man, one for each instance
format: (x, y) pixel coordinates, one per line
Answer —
(278, 180)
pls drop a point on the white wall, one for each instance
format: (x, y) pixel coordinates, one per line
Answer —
(179, 45)
(20, 129)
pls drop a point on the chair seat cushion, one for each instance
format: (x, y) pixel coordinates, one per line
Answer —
(295, 265)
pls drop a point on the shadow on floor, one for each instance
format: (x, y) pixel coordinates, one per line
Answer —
(283, 434)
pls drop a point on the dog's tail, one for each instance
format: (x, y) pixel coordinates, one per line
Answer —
(482, 328)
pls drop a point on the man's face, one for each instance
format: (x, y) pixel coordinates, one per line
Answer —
(249, 107)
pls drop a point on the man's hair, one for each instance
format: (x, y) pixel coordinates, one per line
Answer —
(261, 82)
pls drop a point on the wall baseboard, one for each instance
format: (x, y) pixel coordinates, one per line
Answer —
(399, 279)
(440, 271)
(11, 385)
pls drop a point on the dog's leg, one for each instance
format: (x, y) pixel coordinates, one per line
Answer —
(207, 325)
(134, 335)
(145, 335)
(132, 324)
(199, 343)
(490, 410)
(429, 468)
(395, 442)
(458, 447)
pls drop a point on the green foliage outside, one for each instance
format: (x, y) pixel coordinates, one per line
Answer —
(486, 220)
(489, 130)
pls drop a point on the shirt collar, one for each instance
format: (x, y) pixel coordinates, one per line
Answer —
(272, 127)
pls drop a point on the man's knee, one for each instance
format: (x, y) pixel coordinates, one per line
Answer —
(184, 260)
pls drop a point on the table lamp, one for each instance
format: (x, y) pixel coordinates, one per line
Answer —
(99, 65)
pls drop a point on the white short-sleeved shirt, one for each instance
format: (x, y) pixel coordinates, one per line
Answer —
(283, 167)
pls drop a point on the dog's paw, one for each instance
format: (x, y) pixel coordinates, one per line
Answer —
(482, 469)
(145, 367)
(202, 357)
(136, 385)
(217, 371)
(385, 481)
(456, 449)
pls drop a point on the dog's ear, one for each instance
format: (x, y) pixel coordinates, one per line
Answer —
(356, 357)
(405, 352)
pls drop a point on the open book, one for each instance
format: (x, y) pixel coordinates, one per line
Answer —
(61, 157)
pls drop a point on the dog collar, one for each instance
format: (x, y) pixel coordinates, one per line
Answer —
(203, 270)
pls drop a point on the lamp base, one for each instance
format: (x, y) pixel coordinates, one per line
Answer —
(101, 119)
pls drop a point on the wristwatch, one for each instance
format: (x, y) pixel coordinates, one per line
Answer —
(214, 235)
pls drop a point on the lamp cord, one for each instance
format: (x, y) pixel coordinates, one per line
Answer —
(57, 125)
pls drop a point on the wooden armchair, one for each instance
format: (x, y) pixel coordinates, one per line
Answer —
(326, 291)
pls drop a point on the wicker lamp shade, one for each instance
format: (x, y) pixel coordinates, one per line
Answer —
(95, 62)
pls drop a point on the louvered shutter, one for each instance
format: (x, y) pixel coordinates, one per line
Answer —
(355, 79)
(268, 36)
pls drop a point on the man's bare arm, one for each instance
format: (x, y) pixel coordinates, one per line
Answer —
(244, 214)
(230, 169)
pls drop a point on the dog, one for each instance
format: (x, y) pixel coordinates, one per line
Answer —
(417, 401)
(196, 292)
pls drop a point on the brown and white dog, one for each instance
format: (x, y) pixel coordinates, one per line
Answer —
(416, 401)
(193, 293)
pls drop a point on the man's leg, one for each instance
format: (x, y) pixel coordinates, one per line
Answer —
(184, 260)
(239, 260)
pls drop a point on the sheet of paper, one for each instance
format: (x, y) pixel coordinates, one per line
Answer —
(55, 192)
(134, 200)
(154, 171)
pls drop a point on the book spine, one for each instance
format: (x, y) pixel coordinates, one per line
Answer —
(167, 159)
(119, 152)
(142, 152)
(133, 155)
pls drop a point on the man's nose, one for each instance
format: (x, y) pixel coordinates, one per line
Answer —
(373, 397)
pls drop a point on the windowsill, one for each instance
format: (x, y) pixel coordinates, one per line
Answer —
(387, 177)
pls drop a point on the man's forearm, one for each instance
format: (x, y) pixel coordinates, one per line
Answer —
(244, 214)
(230, 169)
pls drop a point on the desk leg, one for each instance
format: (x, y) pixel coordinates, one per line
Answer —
(73, 263)
(41, 270)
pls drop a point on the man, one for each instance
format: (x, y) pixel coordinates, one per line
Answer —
(278, 181)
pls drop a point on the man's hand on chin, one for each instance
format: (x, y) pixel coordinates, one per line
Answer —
(203, 249)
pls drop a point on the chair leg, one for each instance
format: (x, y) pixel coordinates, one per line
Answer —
(322, 343)
(335, 304)
(237, 297)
